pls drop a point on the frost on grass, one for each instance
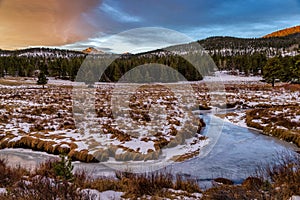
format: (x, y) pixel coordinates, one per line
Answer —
(136, 125)
(274, 111)
(44, 120)
(152, 123)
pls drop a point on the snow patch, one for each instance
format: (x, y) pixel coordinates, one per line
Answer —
(106, 195)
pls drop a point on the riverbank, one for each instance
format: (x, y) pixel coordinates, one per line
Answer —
(53, 179)
(280, 181)
(214, 160)
(60, 123)
(281, 121)
(230, 151)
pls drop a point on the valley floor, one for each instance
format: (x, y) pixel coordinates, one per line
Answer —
(151, 122)
(53, 120)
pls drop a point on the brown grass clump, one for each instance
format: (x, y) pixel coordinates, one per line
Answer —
(46, 168)
(137, 185)
(225, 192)
(51, 147)
(252, 183)
(189, 185)
(186, 156)
(83, 156)
(136, 156)
(154, 184)
(4, 81)
(104, 184)
(284, 176)
(8, 175)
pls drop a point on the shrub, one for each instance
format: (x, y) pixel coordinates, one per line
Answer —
(41, 187)
(189, 185)
(9, 175)
(137, 185)
(46, 168)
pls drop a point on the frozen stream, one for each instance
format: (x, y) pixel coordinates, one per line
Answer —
(235, 156)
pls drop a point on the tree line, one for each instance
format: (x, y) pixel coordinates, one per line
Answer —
(63, 68)
(246, 56)
(285, 69)
(67, 67)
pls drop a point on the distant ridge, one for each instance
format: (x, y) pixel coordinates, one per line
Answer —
(284, 32)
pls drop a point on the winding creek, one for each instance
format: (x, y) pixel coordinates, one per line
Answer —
(236, 154)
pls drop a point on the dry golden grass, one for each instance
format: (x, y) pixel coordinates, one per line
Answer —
(49, 110)
(12, 82)
(274, 181)
(181, 158)
(279, 125)
(43, 183)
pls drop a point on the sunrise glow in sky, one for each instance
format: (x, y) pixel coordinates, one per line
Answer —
(77, 24)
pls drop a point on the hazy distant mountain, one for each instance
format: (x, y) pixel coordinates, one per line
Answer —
(284, 32)
(92, 50)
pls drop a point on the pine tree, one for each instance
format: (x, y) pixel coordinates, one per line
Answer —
(273, 70)
(295, 72)
(42, 79)
(63, 168)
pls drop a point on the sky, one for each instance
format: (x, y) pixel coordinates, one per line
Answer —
(135, 25)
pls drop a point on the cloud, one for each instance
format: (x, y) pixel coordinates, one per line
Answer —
(215, 15)
(59, 22)
(48, 22)
(118, 14)
(197, 19)
(135, 40)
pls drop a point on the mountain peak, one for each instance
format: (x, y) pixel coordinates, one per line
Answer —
(92, 50)
(284, 32)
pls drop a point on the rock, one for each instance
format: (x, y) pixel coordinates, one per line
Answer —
(223, 181)
(3, 191)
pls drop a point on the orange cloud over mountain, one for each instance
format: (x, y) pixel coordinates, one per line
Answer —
(44, 22)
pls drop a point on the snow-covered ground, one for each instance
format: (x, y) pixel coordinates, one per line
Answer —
(106, 195)
(145, 124)
(224, 76)
(237, 118)
(46, 119)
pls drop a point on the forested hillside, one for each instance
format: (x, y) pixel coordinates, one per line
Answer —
(53, 62)
(249, 56)
(241, 56)
(65, 65)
